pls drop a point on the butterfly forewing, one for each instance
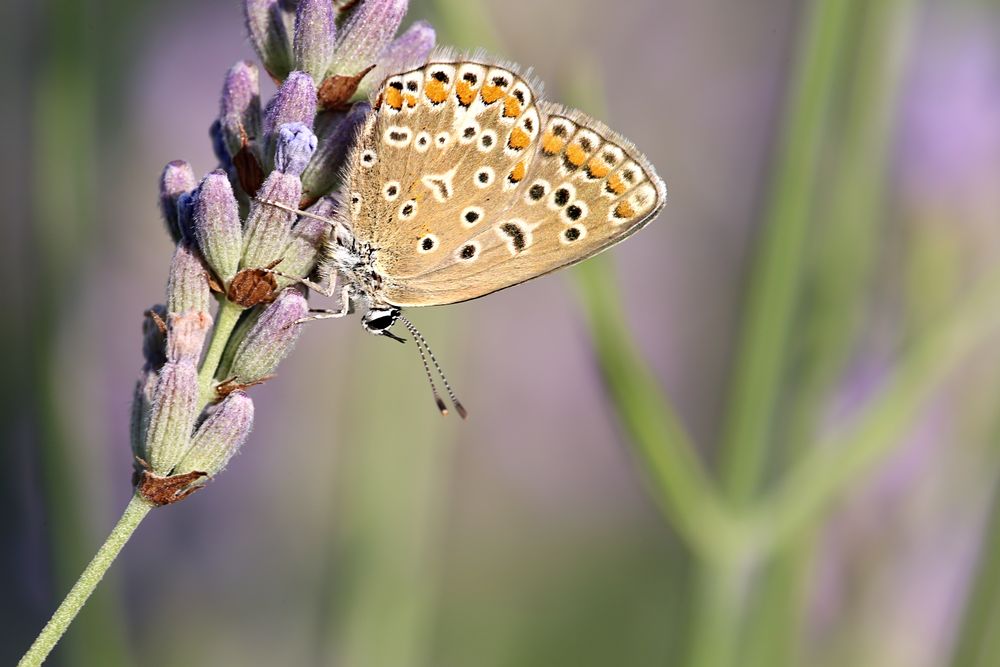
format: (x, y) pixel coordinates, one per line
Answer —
(466, 183)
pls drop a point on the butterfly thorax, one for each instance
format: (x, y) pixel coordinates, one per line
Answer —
(354, 262)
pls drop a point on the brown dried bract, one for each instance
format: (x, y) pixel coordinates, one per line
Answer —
(213, 283)
(160, 490)
(157, 320)
(250, 287)
(336, 91)
(248, 170)
(226, 387)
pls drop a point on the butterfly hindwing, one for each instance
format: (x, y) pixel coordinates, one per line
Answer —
(518, 187)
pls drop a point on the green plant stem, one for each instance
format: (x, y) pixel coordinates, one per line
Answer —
(806, 491)
(680, 485)
(777, 265)
(225, 321)
(134, 513)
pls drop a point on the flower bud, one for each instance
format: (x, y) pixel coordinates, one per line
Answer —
(185, 216)
(306, 243)
(295, 101)
(220, 436)
(239, 108)
(217, 226)
(186, 333)
(172, 415)
(365, 33)
(219, 148)
(177, 179)
(410, 49)
(268, 227)
(269, 25)
(270, 338)
(315, 35)
(187, 286)
(142, 402)
(296, 145)
(323, 171)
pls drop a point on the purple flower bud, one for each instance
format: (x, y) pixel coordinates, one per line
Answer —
(239, 108)
(186, 334)
(220, 436)
(365, 34)
(177, 178)
(315, 34)
(296, 145)
(410, 49)
(172, 415)
(219, 148)
(269, 25)
(294, 102)
(271, 337)
(308, 235)
(268, 227)
(154, 338)
(185, 215)
(217, 226)
(187, 286)
(323, 172)
(142, 403)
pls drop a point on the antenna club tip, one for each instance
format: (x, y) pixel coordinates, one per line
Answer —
(442, 408)
(461, 410)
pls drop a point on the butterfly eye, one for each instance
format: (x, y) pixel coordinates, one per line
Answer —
(377, 321)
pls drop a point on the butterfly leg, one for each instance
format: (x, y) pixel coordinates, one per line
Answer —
(346, 308)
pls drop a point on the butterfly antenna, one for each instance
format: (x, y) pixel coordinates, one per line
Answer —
(304, 214)
(427, 370)
(421, 346)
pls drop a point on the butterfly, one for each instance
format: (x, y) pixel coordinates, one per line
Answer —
(462, 182)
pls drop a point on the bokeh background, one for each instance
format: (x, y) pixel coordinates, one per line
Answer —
(765, 431)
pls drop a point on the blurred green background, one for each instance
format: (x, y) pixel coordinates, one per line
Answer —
(764, 432)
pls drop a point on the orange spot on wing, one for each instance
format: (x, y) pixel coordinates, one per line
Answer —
(465, 93)
(624, 210)
(517, 173)
(394, 98)
(435, 91)
(490, 93)
(519, 139)
(551, 144)
(597, 168)
(411, 100)
(616, 185)
(575, 155)
(511, 107)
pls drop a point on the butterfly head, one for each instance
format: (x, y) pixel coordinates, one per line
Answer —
(378, 320)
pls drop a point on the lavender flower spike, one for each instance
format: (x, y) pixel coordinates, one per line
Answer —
(296, 145)
(271, 337)
(409, 49)
(217, 226)
(177, 179)
(219, 437)
(268, 27)
(365, 34)
(239, 107)
(295, 102)
(315, 34)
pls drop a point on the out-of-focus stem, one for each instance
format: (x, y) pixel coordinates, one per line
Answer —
(134, 513)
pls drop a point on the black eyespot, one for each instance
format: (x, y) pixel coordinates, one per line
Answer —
(537, 191)
(407, 209)
(398, 136)
(559, 130)
(468, 252)
(574, 212)
(427, 243)
(442, 139)
(469, 132)
(440, 76)
(515, 234)
(470, 77)
(483, 176)
(519, 95)
(585, 144)
(628, 175)
(355, 199)
(422, 141)
(411, 86)
(562, 196)
(572, 234)
(528, 125)
(487, 140)
(471, 217)
(367, 157)
(391, 190)
(398, 85)
(609, 158)
(500, 81)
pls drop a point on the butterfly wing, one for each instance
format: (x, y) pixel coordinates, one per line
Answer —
(519, 188)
